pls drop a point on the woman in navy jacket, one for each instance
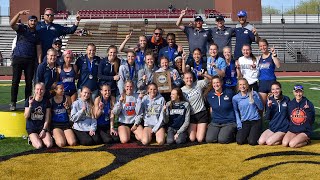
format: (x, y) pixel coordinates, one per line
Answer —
(277, 114)
(302, 116)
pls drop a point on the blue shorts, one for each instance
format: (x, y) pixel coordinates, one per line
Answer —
(34, 126)
(70, 92)
(265, 86)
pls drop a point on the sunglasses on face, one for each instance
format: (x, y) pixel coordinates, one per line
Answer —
(157, 34)
(57, 44)
(49, 15)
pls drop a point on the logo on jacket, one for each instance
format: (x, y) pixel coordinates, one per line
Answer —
(298, 116)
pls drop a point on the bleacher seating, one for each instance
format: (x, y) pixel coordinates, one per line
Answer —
(61, 15)
(134, 13)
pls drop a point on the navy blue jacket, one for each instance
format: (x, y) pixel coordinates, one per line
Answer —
(46, 75)
(83, 67)
(50, 31)
(222, 107)
(277, 114)
(302, 116)
(106, 72)
(165, 51)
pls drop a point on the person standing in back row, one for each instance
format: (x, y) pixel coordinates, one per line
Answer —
(196, 35)
(27, 50)
(49, 30)
(245, 34)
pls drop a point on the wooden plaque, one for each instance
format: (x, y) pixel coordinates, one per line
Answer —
(163, 80)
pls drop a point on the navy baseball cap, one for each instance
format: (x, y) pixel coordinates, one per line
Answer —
(55, 40)
(198, 18)
(219, 18)
(32, 17)
(298, 87)
(242, 13)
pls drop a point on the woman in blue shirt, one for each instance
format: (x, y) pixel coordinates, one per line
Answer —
(267, 63)
(60, 110)
(246, 105)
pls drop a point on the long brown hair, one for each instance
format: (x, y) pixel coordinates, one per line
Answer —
(254, 59)
(124, 89)
(116, 63)
(210, 87)
(180, 95)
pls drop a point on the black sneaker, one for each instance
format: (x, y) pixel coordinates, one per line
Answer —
(13, 106)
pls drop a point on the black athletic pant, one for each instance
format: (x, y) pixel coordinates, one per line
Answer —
(27, 65)
(250, 132)
(104, 135)
(85, 139)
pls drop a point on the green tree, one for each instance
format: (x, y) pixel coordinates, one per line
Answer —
(270, 10)
(306, 7)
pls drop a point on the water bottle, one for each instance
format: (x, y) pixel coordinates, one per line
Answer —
(1, 136)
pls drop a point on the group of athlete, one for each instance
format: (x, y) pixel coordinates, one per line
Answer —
(215, 98)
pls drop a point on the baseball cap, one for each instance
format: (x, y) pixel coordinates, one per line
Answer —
(298, 87)
(177, 58)
(242, 13)
(55, 40)
(219, 18)
(32, 17)
(198, 18)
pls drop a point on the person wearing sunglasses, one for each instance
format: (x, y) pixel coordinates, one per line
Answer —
(57, 45)
(301, 118)
(156, 42)
(49, 30)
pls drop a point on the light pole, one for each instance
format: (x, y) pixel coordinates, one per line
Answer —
(284, 43)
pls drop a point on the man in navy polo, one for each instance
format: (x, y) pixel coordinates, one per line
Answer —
(197, 36)
(57, 45)
(87, 67)
(26, 52)
(49, 30)
(222, 35)
(245, 34)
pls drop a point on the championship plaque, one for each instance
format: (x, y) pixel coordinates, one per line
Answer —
(163, 80)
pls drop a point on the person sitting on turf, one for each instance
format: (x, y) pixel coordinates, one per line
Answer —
(105, 118)
(151, 110)
(84, 124)
(67, 75)
(60, 109)
(193, 93)
(302, 117)
(126, 110)
(277, 114)
(37, 113)
(178, 117)
(223, 127)
(246, 105)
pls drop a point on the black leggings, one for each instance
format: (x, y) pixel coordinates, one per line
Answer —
(85, 139)
(250, 132)
(104, 135)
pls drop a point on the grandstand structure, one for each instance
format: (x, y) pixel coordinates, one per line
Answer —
(295, 43)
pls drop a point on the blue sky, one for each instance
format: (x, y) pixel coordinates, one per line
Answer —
(4, 4)
(278, 3)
